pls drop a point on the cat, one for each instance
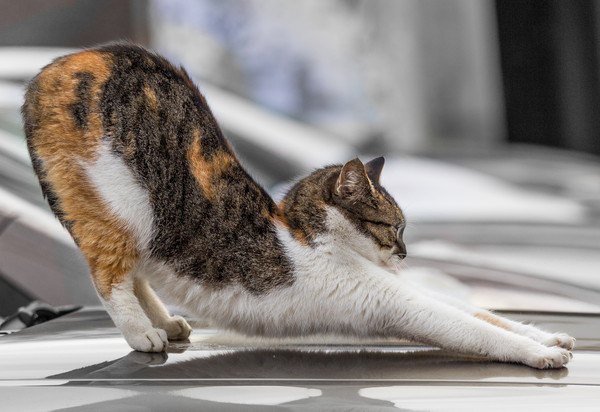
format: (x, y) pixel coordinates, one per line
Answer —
(136, 168)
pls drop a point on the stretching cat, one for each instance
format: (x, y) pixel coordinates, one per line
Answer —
(137, 169)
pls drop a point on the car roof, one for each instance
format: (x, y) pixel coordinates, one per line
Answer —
(86, 345)
(84, 353)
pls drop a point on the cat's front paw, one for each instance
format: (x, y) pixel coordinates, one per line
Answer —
(548, 358)
(151, 340)
(560, 339)
(177, 328)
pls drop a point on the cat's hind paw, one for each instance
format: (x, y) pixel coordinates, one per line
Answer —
(549, 358)
(151, 340)
(560, 339)
(177, 328)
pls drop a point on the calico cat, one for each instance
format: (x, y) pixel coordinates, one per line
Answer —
(135, 166)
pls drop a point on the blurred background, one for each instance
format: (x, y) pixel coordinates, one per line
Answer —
(488, 113)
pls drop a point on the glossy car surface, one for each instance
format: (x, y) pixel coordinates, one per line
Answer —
(81, 361)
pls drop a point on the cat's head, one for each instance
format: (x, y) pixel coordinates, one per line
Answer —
(347, 205)
(376, 218)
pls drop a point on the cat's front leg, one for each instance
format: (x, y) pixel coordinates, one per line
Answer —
(562, 340)
(422, 318)
(545, 338)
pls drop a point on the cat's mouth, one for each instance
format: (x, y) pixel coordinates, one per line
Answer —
(392, 264)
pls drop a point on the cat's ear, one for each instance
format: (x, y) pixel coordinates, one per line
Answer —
(353, 180)
(374, 168)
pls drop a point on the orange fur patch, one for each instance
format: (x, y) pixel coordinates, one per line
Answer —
(151, 98)
(279, 217)
(300, 236)
(281, 220)
(205, 171)
(62, 146)
(492, 319)
(57, 132)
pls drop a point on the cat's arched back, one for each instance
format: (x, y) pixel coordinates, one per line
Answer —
(121, 110)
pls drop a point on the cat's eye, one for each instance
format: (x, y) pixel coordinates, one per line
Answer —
(400, 231)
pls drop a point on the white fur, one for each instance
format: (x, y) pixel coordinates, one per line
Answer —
(341, 286)
(124, 196)
(125, 310)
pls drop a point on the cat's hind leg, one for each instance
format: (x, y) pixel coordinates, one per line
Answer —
(114, 259)
(109, 246)
(176, 327)
(108, 232)
(126, 312)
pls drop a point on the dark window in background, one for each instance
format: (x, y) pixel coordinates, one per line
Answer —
(551, 71)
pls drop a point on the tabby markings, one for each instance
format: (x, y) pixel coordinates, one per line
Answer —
(207, 171)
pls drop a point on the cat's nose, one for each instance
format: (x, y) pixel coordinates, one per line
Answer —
(401, 248)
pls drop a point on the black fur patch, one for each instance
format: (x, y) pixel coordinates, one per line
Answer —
(81, 107)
